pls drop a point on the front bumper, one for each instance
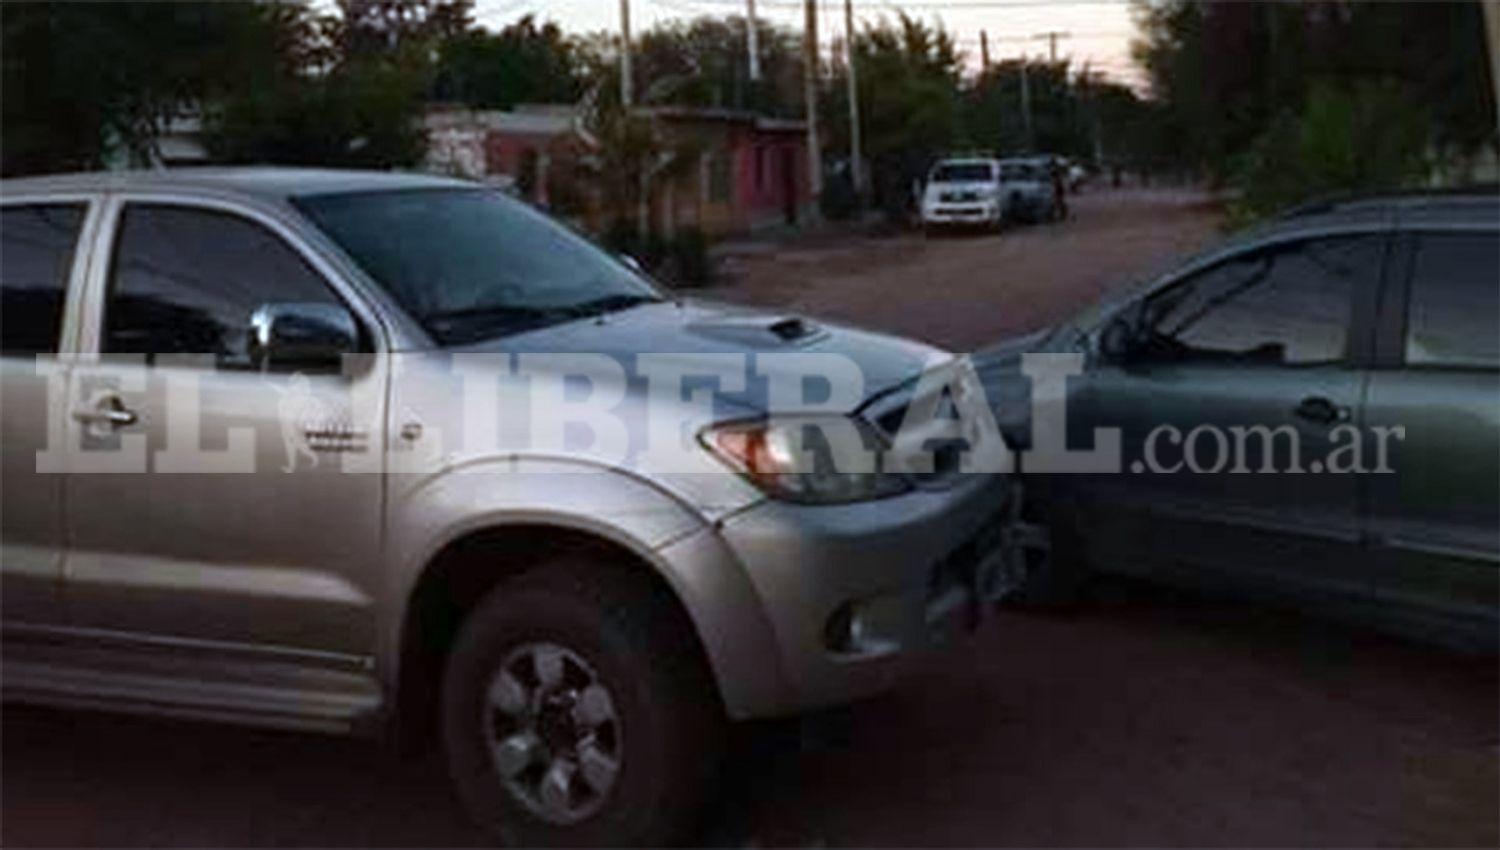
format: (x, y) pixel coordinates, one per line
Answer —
(968, 213)
(853, 594)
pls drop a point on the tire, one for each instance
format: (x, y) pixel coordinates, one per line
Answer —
(561, 633)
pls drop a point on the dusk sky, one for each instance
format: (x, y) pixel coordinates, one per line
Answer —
(1100, 30)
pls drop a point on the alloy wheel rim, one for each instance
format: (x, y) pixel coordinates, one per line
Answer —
(552, 731)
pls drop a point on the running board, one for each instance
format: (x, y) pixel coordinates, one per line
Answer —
(270, 694)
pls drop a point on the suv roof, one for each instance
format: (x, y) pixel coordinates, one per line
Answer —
(1459, 203)
(264, 182)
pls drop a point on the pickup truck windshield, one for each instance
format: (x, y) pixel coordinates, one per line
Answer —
(471, 264)
(972, 172)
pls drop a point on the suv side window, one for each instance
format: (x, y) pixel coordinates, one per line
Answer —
(37, 244)
(1288, 305)
(1453, 314)
(186, 280)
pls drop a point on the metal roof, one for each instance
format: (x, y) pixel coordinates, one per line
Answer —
(1459, 202)
(264, 182)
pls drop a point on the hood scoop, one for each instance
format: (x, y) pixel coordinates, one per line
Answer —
(758, 332)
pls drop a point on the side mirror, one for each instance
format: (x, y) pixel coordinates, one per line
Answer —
(1117, 342)
(296, 335)
(633, 264)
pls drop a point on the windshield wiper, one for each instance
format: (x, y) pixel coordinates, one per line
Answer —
(470, 324)
(609, 304)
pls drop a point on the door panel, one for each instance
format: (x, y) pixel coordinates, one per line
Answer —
(1219, 520)
(40, 264)
(1239, 388)
(1436, 516)
(278, 546)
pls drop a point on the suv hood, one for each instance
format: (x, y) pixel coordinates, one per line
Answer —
(692, 328)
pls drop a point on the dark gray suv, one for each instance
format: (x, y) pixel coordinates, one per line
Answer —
(1311, 409)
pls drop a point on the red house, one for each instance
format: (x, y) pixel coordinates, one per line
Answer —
(752, 172)
(748, 173)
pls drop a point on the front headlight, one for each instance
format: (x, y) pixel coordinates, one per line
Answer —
(808, 460)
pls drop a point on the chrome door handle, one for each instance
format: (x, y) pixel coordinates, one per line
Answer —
(1321, 410)
(110, 411)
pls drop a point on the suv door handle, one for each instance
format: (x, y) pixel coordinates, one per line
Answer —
(109, 411)
(1321, 410)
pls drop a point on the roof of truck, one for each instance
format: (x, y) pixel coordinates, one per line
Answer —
(265, 182)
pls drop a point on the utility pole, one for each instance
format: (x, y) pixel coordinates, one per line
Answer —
(984, 51)
(627, 84)
(752, 39)
(856, 159)
(1051, 38)
(1026, 101)
(810, 94)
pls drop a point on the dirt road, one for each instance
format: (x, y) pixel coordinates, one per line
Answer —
(964, 291)
(1144, 718)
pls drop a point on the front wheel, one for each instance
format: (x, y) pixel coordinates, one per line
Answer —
(576, 711)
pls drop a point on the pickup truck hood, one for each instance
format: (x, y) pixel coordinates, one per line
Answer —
(695, 328)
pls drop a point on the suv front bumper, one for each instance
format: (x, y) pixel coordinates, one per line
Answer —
(844, 597)
(962, 213)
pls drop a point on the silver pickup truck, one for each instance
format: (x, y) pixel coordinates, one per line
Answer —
(366, 453)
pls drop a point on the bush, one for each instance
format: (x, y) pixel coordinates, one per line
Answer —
(1361, 138)
(839, 202)
(689, 260)
(681, 261)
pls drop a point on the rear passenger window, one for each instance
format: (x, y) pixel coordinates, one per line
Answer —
(1453, 318)
(36, 259)
(185, 281)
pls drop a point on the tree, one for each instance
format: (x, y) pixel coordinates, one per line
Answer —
(86, 82)
(1233, 78)
(1362, 137)
(703, 63)
(348, 91)
(391, 27)
(523, 63)
(909, 83)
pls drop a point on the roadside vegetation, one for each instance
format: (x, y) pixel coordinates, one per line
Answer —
(1275, 102)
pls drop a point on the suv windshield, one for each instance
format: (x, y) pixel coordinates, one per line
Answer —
(1019, 171)
(470, 264)
(970, 172)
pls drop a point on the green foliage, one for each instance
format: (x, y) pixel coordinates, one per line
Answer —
(363, 114)
(1363, 137)
(87, 81)
(523, 63)
(688, 261)
(909, 77)
(1062, 120)
(351, 93)
(681, 261)
(703, 63)
(1226, 74)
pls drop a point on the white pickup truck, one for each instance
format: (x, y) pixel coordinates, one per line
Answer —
(963, 193)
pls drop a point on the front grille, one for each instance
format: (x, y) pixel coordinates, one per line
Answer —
(958, 197)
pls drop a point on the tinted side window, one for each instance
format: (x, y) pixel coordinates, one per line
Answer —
(36, 259)
(185, 281)
(1290, 304)
(1453, 317)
